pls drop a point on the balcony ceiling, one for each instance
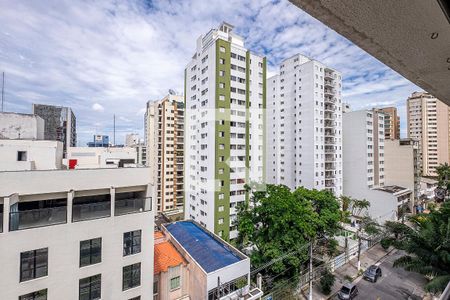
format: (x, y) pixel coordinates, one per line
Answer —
(410, 36)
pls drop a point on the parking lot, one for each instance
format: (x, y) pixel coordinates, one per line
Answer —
(395, 284)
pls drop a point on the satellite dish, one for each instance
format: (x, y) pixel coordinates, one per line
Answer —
(172, 92)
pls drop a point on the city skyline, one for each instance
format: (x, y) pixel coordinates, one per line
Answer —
(65, 58)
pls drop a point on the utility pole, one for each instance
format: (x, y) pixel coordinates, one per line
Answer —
(310, 269)
(3, 89)
(359, 248)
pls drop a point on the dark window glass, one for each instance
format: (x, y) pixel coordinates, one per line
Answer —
(131, 276)
(90, 252)
(39, 295)
(136, 298)
(91, 288)
(33, 264)
(131, 242)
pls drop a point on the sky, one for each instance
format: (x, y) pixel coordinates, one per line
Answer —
(105, 58)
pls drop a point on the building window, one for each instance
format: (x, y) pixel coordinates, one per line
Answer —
(90, 252)
(33, 264)
(39, 295)
(91, 288)
(174, 283)
(155, 290)
(21, 155)
(131, 276)
(131, 242)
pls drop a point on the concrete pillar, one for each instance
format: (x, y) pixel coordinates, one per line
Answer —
(70, 196)
(6, 214)
(112, 192)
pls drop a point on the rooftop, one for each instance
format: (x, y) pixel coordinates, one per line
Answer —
(391, 189)
(207, 250)
(166, 256)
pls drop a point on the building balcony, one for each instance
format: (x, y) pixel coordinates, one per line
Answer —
(328, 116)
(133, 205)
(329, 83)
(328, 75)
(329, 140)
(91, 211)
(330, 150)
(329, 92)
(40, 217)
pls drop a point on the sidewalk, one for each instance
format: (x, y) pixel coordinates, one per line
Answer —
(349, 271)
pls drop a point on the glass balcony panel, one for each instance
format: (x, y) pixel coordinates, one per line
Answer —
(132, 205)
(37, 218)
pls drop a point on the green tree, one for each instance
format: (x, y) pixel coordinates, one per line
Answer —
(443, 175)
(427, 244)
(277, 221)
(345, 202)
(327, 282)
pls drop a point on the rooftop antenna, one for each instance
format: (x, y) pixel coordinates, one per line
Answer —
(3, 89)
(114, 134)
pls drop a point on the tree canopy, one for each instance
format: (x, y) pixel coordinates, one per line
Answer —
(427, 244)
(277, 221)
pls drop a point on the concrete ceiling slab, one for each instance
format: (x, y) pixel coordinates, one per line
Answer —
(410, 36)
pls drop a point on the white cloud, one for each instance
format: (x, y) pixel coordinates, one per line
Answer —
(126, 52)
(98, 107)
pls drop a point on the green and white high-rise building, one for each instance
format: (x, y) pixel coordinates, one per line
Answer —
(225, 96)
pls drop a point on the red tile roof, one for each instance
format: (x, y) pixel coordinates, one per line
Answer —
(158, 234)
(166, 256)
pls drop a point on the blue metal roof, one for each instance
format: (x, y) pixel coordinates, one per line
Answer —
(209, 252)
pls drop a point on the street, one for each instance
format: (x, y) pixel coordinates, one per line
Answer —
(395, 284)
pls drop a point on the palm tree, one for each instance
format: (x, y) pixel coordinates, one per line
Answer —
(427, 244)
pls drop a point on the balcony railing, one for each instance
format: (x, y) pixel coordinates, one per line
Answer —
(90, 211)
(133, 205)
(37, 218)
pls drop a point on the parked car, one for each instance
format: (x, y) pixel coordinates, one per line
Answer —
(372, 273)
(348, 291)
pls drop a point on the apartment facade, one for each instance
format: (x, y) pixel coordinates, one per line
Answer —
(391, 123)
(364, 166)
(402, 165)
(60, 124)
(304, 126)
(428, 122)
(224, 123)
(76, 234)
(164, 127)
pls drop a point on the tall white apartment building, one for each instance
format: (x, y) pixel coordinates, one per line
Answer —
(225, 114)
(428, 122)
(164, 128)
(363, 150)
(76, 234)
(363, 160)
(304, 126)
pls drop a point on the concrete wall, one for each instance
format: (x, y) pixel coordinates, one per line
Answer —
(63, 240)
(40, 155)
(21, 126)
(399, 165)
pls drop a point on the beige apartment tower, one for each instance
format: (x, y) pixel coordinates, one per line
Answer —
(391, 123)
(164, 137)
(428, 122)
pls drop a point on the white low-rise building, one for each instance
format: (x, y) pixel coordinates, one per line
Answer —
(21, 155)
(99, 157)
(76, 234)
